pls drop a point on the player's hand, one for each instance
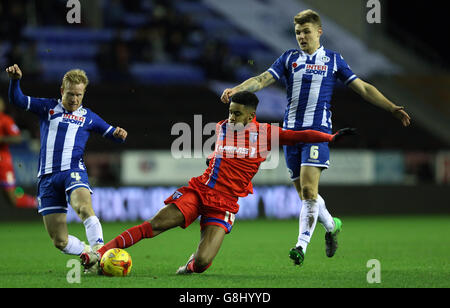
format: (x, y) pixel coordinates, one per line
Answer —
(226, 95)
(120, 133)
(343, 132)
(14, 72)
(400, 113)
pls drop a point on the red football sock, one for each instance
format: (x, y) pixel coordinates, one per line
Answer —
(129, 237)
(195, 268)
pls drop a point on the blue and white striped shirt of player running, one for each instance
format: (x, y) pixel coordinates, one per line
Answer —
(309, 81)
(63, 134)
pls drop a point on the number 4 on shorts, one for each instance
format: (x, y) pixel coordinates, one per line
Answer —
(76, 176)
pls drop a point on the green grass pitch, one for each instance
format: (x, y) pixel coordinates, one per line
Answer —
(412, 251)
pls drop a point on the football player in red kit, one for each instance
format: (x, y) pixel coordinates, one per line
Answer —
(242, 144)
(10, 134)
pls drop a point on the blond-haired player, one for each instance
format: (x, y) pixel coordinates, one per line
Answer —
(310, 74)
(65, 126)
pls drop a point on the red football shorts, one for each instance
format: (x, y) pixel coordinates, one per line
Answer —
(214, 207)
(7, 178)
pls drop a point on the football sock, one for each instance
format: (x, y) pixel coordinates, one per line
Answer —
(193, 267)
(129, 237)
(74, 246)
(324, 216)
(307, 222)
(94, 232)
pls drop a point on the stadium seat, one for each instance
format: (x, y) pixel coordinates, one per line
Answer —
(135, 20)
(55, 51)
(192, 8)
(66, 34)
(190, 54)
(167, 73)
(216, 27)
(243, 45)
(55, 70)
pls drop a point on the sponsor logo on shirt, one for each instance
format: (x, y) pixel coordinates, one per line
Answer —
(73, 119)
(315, 69)
(311, 69)
(233, 150)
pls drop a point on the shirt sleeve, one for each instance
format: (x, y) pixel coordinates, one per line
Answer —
(99, 126)
(279, 67)
(39, 106)
(290, 137)
(344, 72)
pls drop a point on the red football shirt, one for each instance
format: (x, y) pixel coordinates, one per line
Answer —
(238, 154)
(7, 128)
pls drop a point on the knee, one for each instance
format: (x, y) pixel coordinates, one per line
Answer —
(308, 192)
(157, 224)
(167, 218)
(84, 210)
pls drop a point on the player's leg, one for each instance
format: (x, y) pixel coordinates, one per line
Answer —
(81, 202)
(180, 211)
(309, 186)
(293, 156)
(331, 224)
(318, 156)
(56, 226)
(210, 242)
(53, 208)
(78, 194)
(324, 217)
(167, 218)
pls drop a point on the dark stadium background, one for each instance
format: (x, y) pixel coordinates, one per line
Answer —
(152, 64)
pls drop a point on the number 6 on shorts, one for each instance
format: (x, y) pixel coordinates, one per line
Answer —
(314, 152)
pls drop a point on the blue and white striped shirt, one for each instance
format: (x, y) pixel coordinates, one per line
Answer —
(310, 80)
(63, 134)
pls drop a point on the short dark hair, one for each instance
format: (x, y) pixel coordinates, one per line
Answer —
(307, 16)
(245, 98)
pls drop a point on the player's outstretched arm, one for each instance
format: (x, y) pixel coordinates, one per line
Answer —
(348, 131)
(290, 137)
(372, 95)
(15, 95)
(253, 84)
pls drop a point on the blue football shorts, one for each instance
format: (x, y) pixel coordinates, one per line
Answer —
(306, 154)
(54, 190)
